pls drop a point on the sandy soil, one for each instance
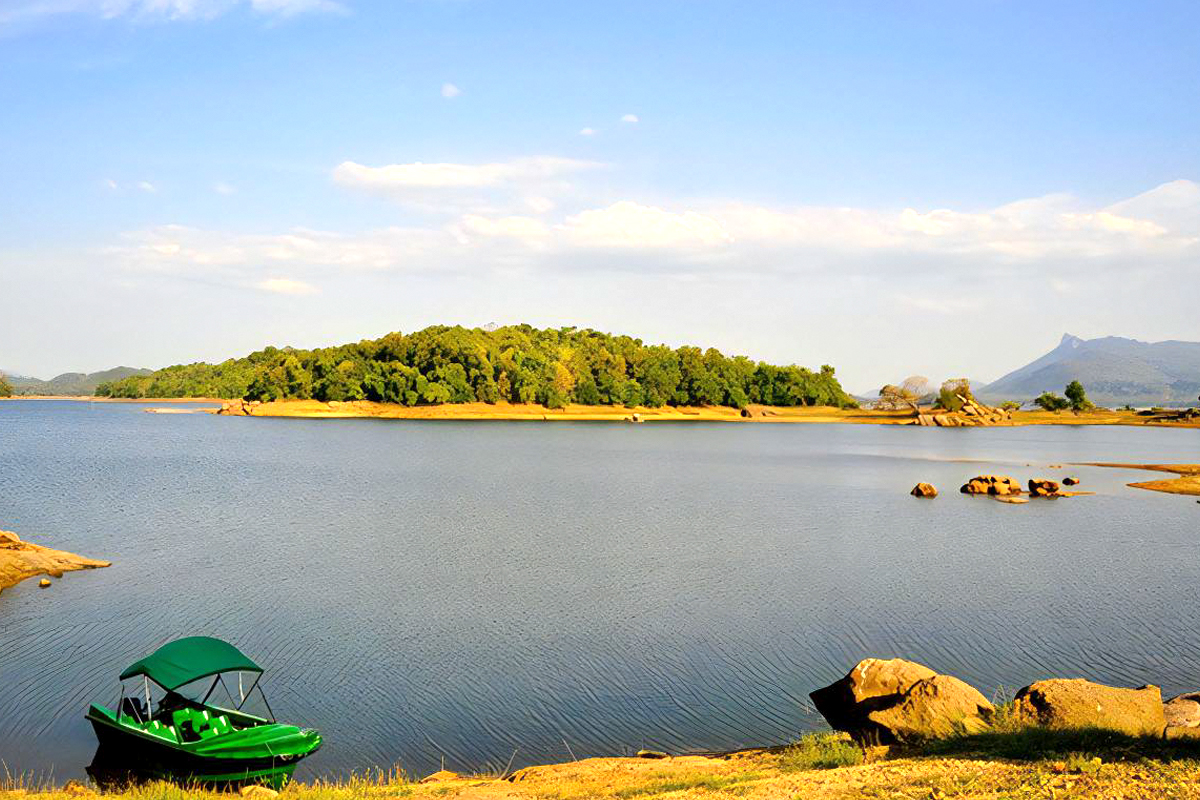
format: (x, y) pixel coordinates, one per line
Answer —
(759, 776)
(810, 414)
(1187, 482)
(20, 560)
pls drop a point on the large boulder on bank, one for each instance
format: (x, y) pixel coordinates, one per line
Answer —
(935, 708)
(888, 701)
(924, 490)
(1078, 703)
(991, 484)
(1183, 711)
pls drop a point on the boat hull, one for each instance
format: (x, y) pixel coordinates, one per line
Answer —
(124, 756)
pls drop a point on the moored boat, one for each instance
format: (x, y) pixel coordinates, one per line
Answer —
(196, 740)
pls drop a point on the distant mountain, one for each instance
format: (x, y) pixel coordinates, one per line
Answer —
(70, 383)
(1114, 371)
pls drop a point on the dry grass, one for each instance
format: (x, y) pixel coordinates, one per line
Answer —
(1009, 762)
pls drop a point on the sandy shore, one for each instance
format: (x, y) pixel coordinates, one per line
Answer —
(20, 560)
(1187, 482)
(316, 409)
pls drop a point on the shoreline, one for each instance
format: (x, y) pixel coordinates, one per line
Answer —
(1187, 480)
(21, 560)
(317, 409)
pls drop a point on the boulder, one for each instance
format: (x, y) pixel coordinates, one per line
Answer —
(991, 484)
(441, 775)
(257, 792)
(894, 700)
(651, 754)
(1042, 487)
(1183, 711)
(44, 582)
(1078, 703)
(924, 490)
(1069, 481)
(934, 708)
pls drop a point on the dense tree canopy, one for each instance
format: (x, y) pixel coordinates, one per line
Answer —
(1077, 396)
(1049, 401)
(518, 363)
(5, 387)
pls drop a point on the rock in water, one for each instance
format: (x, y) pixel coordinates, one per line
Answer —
(991, 484)
(888, 701)
(1078, 703)
(924, 490)
(935, 708)
(1183, 711)
(1070, 481)
(1041, 487)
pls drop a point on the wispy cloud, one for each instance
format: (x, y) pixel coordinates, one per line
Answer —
(450, 91)
(630, 118)
(171, 10)
(587, 131)
(221, 187)
(286, 286)
(438, 176)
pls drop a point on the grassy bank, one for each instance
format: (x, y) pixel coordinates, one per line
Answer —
(1013, 763)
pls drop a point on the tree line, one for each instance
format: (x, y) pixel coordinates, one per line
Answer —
(518, 363)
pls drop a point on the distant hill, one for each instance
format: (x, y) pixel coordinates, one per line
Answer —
(71, 383)
(1114, 371)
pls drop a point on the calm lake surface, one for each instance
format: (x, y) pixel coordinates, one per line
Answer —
(420, 590)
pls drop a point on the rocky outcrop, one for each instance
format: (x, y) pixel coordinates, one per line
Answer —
(1183, 711)
(239, 408)
(991, 484)
(1078, 703)
(924, 490)
(1043, 487)
(889, 701)
(972, 414)
(20, 560)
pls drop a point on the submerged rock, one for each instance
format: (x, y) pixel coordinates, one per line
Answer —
(924, 490)
(1078, 703)
(894, 700)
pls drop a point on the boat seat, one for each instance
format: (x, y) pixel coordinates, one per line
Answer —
(156, 728)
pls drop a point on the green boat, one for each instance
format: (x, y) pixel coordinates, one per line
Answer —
(198, 741)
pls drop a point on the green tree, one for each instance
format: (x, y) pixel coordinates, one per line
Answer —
(1077, 397)
(5, 387)
(1051, 402)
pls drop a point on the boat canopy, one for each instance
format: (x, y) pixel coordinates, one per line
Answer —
(185, 660)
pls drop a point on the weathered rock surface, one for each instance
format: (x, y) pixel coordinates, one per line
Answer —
(441, 775)
(1069, 481)
(991, 484)
(1183, 711)
(935, 708)
(887, 701)
(1078, 703)
(240, 408)
(1043, 487)
(20, 560)
(924, 490)
(972, 413)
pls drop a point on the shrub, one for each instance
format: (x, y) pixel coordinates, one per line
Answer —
(820, 751)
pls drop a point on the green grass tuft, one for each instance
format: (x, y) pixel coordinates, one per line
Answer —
(820, 751)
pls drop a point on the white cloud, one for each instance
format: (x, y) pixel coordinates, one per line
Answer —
(630, 224)
(112, 185)
(220, 187)
(630, 118)
(286, 286)
(587, 131)
(436, 176)
(514, 226)
(450, 91)
(147, 186)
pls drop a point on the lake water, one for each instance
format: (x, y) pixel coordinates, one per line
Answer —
(461, 590)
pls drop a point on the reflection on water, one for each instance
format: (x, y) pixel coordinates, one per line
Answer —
(427, 590)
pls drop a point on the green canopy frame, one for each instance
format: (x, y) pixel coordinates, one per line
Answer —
(186, 660)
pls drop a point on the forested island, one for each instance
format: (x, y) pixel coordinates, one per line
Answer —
(517, 364)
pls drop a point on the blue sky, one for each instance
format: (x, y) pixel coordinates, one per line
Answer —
(863, 184)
